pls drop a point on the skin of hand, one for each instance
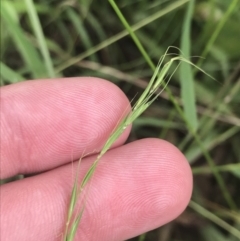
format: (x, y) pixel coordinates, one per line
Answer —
(48, 124)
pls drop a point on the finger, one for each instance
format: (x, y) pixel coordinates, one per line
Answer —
(136, 188)
(47, 123)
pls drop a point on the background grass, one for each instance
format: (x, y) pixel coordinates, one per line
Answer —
(41, 39)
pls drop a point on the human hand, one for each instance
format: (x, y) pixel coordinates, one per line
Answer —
(47, 124)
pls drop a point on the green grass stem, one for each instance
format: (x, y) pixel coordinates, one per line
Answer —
(215, 219)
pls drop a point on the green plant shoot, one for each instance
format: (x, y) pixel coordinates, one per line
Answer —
(149, 95)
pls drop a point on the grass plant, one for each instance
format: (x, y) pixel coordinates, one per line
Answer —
(149, 95)
(42, 39)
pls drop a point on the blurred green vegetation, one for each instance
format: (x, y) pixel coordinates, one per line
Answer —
(201, 116)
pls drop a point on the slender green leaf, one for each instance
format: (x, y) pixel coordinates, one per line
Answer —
(9, 74)
(37, 28)
(211, 216)
(26, 49)
(186, 74)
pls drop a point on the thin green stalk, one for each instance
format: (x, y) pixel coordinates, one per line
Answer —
(209, 215)
(132, 34)
(217, 175)
(223, 168)
(210, 143)
(72, 204)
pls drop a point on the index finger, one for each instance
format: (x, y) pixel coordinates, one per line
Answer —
(47, 123)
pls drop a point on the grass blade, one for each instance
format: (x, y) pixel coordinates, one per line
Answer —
(186, 74)
(26, 49)
(209, 215)
(9, 75)
(40, 37)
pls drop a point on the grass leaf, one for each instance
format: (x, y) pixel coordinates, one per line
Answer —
(186, 74)
(9, 74)
(36, 26)
(26, 49)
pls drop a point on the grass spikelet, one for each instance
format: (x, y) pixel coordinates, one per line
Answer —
(149, 95)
